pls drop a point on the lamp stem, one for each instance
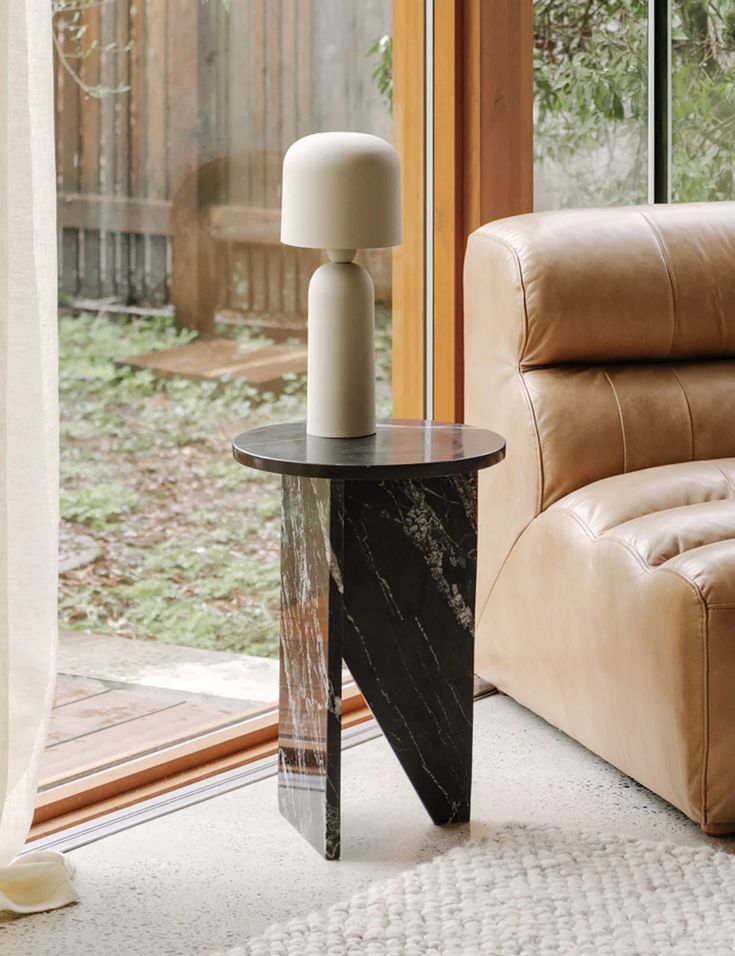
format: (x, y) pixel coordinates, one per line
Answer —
(341, 255)
(340, 385)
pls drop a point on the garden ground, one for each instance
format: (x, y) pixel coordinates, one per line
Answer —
(173, 540)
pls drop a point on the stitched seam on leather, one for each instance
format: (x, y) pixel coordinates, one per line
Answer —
(725, 606)
(491, 237)
(670, 274)
(540, 478)
(651, 510)
(728, 479)
(604, 537)
(689, 409)
(662, 561)
(692, 584)
(539, 455)
(607, 536)
(622, 423)
(500, 570)
(718, 829)
(530, 411)
(704, 639)
(705, 718)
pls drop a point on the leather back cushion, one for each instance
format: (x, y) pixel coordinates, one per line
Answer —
(631, 283)
(593, 422)
(620, 324)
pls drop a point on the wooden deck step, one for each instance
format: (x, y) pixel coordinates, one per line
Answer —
(76, 688)
(95, 725)
(221, 358)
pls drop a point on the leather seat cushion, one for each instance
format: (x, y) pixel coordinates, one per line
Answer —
(614, 619)
(679, 518)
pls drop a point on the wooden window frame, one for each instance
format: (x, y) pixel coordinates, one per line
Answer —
(409, 132)
(483, 170)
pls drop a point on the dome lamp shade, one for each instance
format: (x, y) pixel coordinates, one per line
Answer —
(341, 191)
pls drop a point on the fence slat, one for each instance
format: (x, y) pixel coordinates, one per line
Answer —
(183, 152)
(67, 106)
(287, 76)
(273, 126)
(95, 211)
(90, 153)
(306, 260)
(173, 188)
(137, 142)
(157, 71)
(108, 144)
(240, 143)
(122, 146)
(257, 278)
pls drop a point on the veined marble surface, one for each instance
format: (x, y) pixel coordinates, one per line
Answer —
(410, 562)
(311, 659)
(398, 449)
(382, 573)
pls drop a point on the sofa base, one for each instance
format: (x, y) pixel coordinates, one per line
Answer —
(718, 829)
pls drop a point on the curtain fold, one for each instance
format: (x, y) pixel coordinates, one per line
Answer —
(28, 445)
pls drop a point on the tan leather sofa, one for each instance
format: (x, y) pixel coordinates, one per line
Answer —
(601, 344)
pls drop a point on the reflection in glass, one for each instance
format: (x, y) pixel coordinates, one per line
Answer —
(183, 323)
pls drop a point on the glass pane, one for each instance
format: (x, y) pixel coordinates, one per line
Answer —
(183, 322)
(590, 78)
(703, 100)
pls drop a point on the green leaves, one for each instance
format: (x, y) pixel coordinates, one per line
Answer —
(381, 50)
(188, 539)
(591, 89)
(703, 92)
(95, 505)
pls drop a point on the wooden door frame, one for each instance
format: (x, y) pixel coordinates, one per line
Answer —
(409, 259)
(483, 170)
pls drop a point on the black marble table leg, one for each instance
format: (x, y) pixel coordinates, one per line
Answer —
(409, 602)
(310, 707)
(382, 573)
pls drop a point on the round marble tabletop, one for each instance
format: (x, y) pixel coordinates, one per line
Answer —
(399, 449)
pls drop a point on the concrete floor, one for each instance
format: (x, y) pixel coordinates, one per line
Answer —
(208, 877)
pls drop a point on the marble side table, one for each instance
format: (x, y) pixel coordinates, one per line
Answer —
(378, 560)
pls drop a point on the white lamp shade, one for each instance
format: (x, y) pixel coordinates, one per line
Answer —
(341, 191)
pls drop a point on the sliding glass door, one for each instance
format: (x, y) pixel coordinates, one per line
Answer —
(182, 323)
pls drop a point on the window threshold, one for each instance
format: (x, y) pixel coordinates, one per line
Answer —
(99, 827)
(89, 808)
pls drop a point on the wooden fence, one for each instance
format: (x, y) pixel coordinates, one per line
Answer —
(170, 191)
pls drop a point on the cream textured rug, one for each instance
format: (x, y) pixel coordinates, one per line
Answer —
(532, 890)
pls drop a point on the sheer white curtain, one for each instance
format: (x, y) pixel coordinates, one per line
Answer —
(28, 444)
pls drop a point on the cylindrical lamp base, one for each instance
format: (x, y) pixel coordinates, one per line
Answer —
(340, 386)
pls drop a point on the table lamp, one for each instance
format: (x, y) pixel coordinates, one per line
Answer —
(341, 192)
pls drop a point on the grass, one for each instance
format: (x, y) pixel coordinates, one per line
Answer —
(188, 539)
